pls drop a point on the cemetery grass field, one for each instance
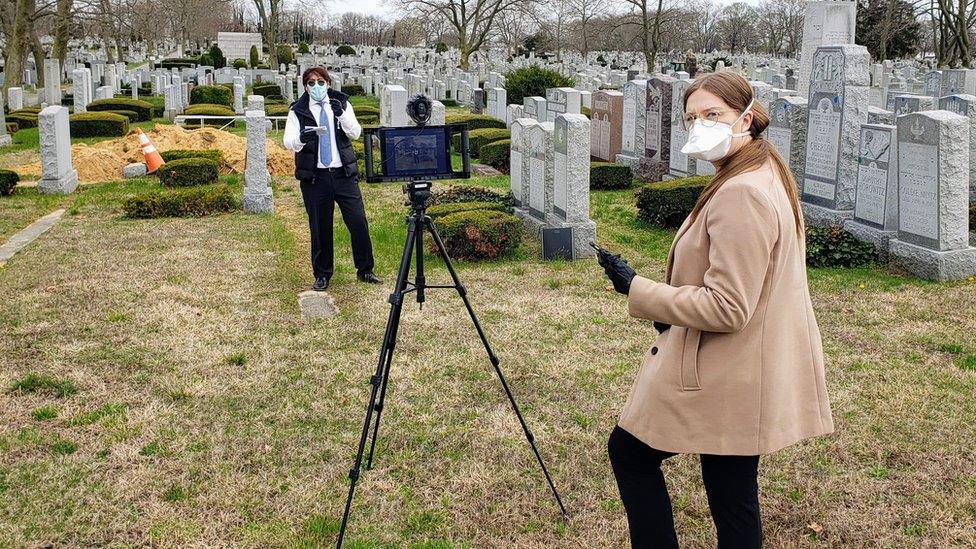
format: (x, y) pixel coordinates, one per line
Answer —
(160, 388)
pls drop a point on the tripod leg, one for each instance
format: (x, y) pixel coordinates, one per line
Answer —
(382, 369)
(428, 223)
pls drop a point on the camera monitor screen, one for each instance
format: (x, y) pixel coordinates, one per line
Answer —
(415, 152)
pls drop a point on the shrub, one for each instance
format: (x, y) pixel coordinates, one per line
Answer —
(607, 175)
(345, 49)
(480, 234)
(267, 89)
(478, 138)
(438, 211)
(23, 120)
(449, 102)
(440, 47)
(278, 110)
(215, 95)
(188, 172)
(178, 154)
(533, 80)
(8, 180)
(143, 108)
(835, 247)
(217, 56)
(353, 89)
(205, 60)
(12, 127)
(667, 203)
(474, 121)
(240, 63)
(286, 55)
(303, 47)
(31, 109)
(367, 109)
(189, 202)
(254, 57)
(133, 116)
(471, 193)
(497, 154)
(98, 124)
(178, 63)
(158, 103)
(209, 108)
(585, 111)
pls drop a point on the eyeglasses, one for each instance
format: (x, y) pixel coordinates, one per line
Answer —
(319, 82)
(709, 119)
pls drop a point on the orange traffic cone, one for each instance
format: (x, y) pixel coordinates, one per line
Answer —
(149, 152)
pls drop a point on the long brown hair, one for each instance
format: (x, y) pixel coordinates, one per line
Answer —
(736, 92)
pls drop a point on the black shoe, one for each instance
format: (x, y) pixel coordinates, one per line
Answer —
(369, 278)
(321, 283)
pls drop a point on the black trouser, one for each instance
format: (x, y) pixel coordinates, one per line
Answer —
(320, 195)
(730, 482)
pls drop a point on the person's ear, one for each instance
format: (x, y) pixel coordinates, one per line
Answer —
(746, 121)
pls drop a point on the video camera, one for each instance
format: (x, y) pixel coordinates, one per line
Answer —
(421, 152)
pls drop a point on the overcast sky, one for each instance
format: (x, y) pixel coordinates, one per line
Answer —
(380, 7)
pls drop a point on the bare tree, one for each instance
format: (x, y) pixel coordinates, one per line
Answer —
(702, 17)
(737, 26)
(513, 26)
(584, 11)
(649, 15)
(472, 20)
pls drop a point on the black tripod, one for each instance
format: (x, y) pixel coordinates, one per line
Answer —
(417, 222)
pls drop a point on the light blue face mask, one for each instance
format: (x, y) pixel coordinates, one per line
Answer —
(317, 92)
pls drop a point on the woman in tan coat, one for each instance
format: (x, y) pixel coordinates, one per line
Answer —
(737, 369)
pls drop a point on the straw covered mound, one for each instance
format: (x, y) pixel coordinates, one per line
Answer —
(104, 160)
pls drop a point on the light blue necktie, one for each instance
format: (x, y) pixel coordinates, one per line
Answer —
(325, 142)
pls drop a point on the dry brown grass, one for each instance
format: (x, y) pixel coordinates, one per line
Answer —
(213, 449)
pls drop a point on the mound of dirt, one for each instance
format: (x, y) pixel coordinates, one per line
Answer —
(104, 161)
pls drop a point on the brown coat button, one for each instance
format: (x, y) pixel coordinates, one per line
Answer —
(653, 350)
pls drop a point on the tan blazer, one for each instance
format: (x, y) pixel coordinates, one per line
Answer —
(741, 369)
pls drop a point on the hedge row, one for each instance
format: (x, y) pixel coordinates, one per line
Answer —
(23, 120)
(143, 108)
(8, 180)
(267, 89)
(475, 121)
(188, 172)
(667, 203)
(188, 202)
(216, 155)
(353, 89)
(438, 211)
(480, 234)
(607, 175)
(471, 193)
(497, 154)
(133, 116)
(98, 124)
(835, 247)
(209, 109)
(478, 138)
(218, 95)
(12, 127)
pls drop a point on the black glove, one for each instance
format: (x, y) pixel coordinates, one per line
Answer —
(309, 136)
(617, 269)
(337, 107)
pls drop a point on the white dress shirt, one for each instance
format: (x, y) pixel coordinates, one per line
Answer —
(347, 121)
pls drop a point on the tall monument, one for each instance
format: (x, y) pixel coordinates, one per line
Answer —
(826, 23)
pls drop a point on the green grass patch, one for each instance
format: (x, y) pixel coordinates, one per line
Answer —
(43, 383)
(44, 413)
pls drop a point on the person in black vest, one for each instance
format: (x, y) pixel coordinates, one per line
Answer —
(319, 128)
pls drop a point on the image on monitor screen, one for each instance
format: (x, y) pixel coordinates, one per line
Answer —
(413, 153)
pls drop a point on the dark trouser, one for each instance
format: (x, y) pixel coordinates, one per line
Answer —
(730, 482)
(320, 196)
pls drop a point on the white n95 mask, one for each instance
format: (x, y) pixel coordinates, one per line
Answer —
(712, 143)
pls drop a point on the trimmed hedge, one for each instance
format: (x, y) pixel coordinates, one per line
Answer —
(479, 234)
(532, 80)
(497, 154)
(667, 203)
(276, 110)
(143, 108)
(471, 193)
(585, 111)
(31, 109)
(608, 175)
(98, 124)
(178, 63)
(216, 155)
(479, 138)
(366, 109)
(835, 247)
(188, 172)
(449, 102)
(188, 202)
(8, 180)
(267, 89)
(133, 116)
(23, 120)
(438, 211)
(353, 89)
(475, 121)
(209, 108)
(216, 95)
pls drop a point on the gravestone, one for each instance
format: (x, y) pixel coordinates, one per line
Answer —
(933, 83)
(58, 176)
(606, 121)
(836, 108)
(393, 106)
(539, 157)
(239, 88)
(957, 81)
(825, 22)
(5, 138)
(52, 81)
(908, 103)
(103, 92)
(878, 115)
(561, 101)
(964, 105)
(477, 101)
(679, 162)
(787, 131)
(514, 112)
(438, 113)
(876, 196)
(257, 179)
(535, 107)
(632, 123)
(657, 129)
(15, 98)
(571, 181)
(519, 164)
(255, 103)
(81, 89)
(933, 197)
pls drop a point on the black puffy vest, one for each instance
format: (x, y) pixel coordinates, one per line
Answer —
(306, 160)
